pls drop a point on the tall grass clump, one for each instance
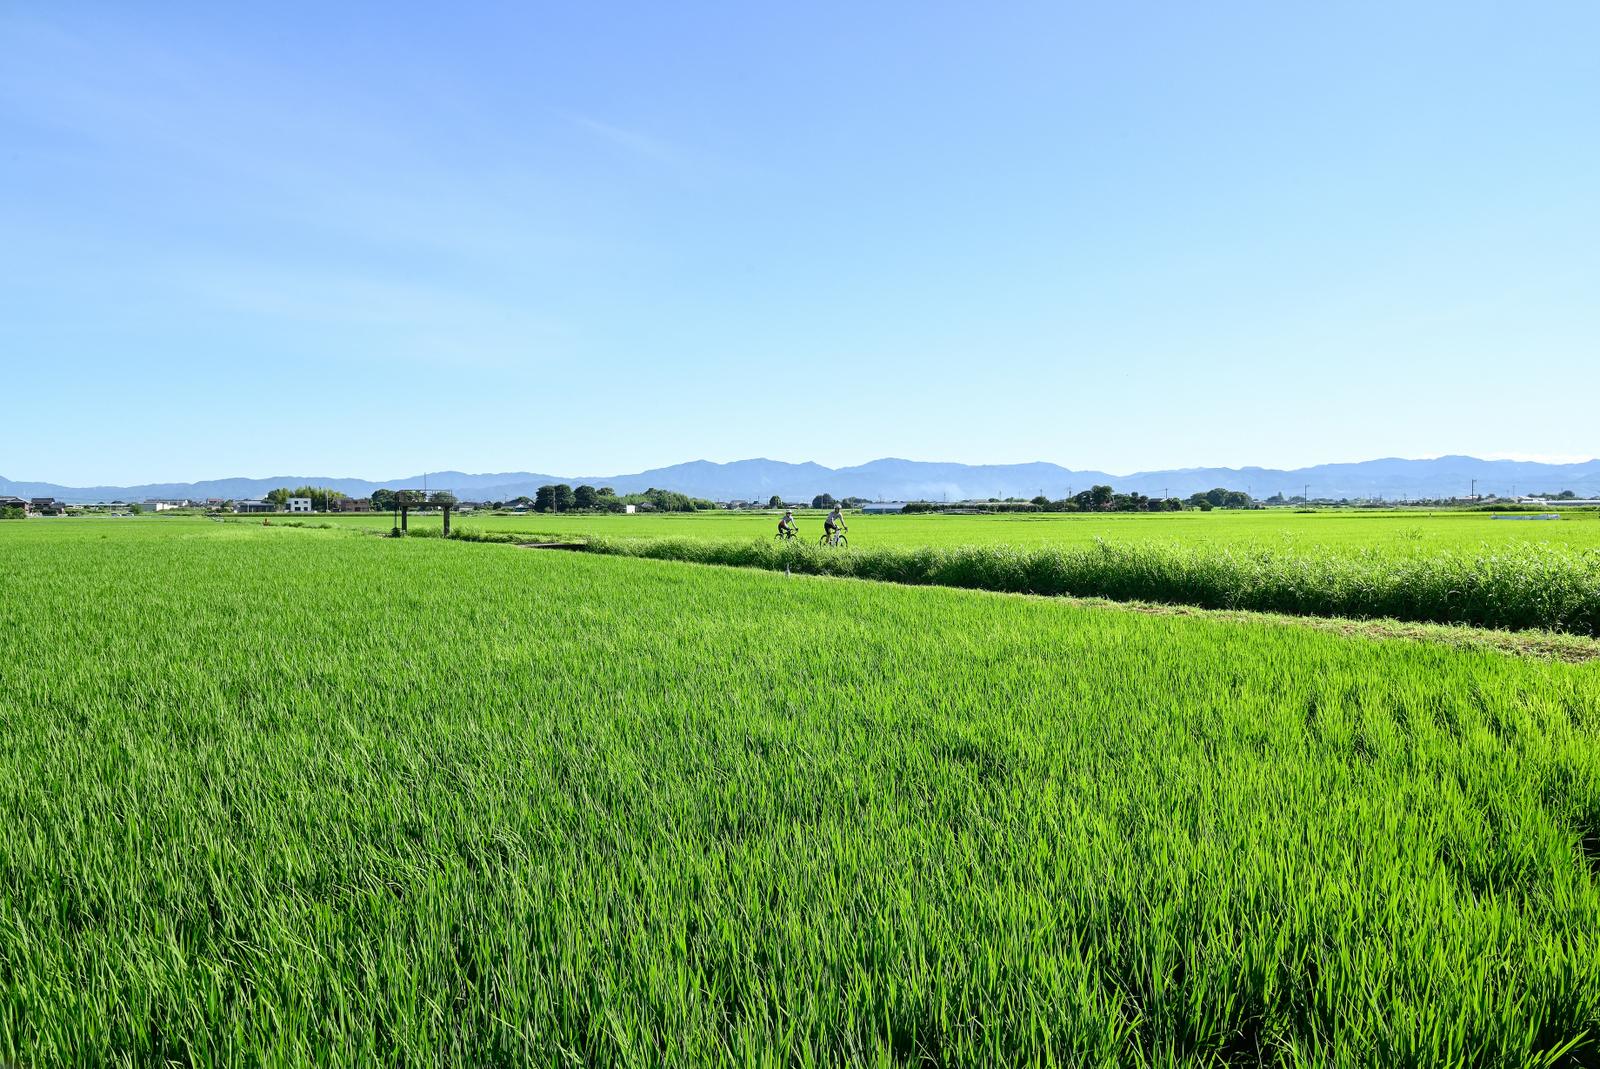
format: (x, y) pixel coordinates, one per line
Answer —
(1513, 586)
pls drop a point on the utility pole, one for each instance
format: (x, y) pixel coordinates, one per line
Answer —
(1474, 494)
(1305, 495)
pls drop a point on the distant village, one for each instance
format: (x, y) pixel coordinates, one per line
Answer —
(49, 506)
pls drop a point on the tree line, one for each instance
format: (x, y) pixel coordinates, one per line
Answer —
(1107, 499)
(389, 500)
(322, 497)
(559, 497)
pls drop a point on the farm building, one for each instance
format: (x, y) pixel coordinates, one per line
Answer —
(353, 504)
(254, 506)
(883, 508)
(299, 504)
(157, 505)
(47, 506)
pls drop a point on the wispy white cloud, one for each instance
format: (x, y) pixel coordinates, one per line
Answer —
(672, 158)
(417, 322)
(256, 195)
(636, 142)
(272, 144)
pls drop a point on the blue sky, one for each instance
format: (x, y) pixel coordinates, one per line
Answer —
(594, 238)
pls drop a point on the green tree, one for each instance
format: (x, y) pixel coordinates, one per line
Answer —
(544, 499)
(774, 502)
(565, 499)
(441, 498)
(322, 498)
(279, 497)
(136, 509)
(822, 501)
(585, 497)
(383, 500)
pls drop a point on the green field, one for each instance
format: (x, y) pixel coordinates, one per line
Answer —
(280, 796)
(1277, 528)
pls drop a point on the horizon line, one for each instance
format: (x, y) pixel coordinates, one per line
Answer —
(1546, 460)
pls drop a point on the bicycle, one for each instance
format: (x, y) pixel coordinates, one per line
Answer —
(786, 536)
(837, 540)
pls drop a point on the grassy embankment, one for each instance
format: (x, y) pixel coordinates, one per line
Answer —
(1512, 586)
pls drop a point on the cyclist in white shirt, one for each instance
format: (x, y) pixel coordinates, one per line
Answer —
(833, 523)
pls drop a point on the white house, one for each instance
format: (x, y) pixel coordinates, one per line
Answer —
(299, 504)
(630, 508)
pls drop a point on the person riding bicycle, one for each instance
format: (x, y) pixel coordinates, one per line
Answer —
(786, 526)
(833, 524)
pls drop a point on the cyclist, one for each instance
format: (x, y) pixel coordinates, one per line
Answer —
(833, 524)
(786, 526)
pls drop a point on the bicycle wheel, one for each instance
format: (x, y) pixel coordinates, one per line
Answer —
(842, 542)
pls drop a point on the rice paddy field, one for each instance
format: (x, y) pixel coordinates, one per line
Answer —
(287, 796)
(1279, 529)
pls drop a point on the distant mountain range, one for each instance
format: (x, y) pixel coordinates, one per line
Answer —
(891, 479)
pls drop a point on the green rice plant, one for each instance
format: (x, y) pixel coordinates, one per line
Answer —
(478, 534)
(291, 797)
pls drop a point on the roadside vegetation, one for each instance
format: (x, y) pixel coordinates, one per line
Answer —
(283, 796)
(1520, 586)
